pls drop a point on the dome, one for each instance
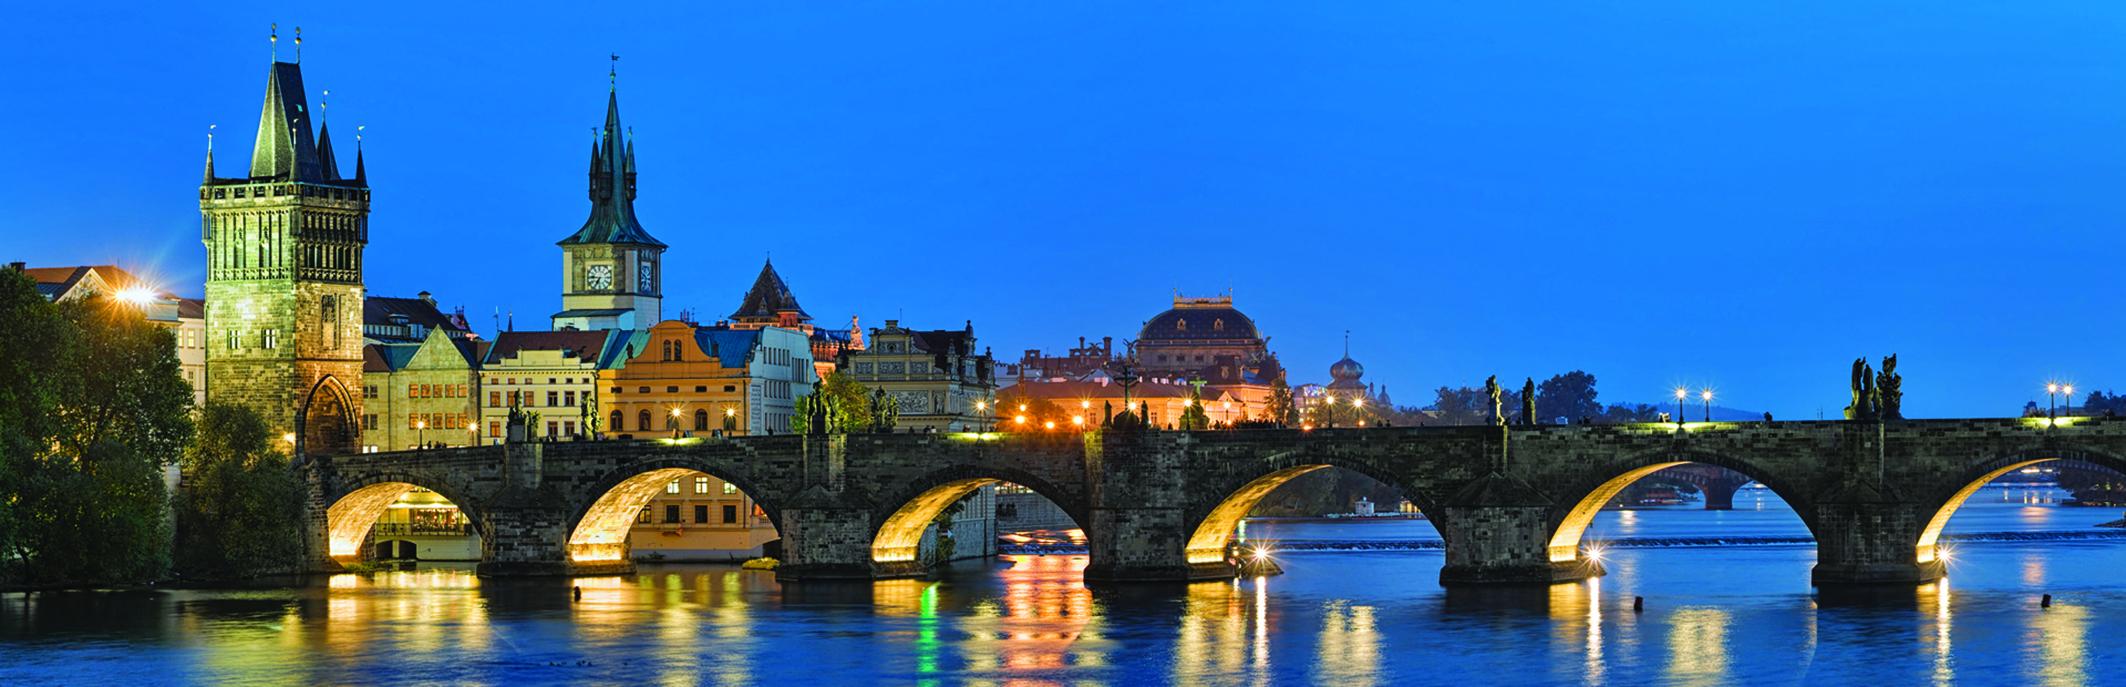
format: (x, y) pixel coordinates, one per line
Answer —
(1347, 370)
(1198, 320)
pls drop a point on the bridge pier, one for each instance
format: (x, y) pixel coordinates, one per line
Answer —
(1720, 494)
(823, 538)
(1864, 539)
(1498, 531)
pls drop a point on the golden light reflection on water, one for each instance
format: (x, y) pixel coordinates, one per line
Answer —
(1350, 646)
(1698, 647)
(1944, 673)
(2059, 636)
(1213, 641)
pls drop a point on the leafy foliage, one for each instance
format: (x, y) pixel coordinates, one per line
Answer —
(241, 512)
(848, 405)
(1281, 410)
(1570, 396)
(92, 406)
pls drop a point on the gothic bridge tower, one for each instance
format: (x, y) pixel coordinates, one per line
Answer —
(284, 274)
(611, 269)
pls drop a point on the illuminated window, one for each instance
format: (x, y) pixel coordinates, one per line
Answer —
(701, 485)
(644, 517)
(730, 488)
(672, 488)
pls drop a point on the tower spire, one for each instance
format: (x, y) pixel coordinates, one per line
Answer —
(327, 164)
(361, 177)
(210, 153)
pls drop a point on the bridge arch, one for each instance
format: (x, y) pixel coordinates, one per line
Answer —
(350, 515)
(325, 422)
(598, 528)
(899, 533)
(1210, 532)
(1586, 499)
(1944, 504)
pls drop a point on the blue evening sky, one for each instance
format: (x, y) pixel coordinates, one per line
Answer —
(1745, 195)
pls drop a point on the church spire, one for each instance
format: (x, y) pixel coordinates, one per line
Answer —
(285, 149)
(612, 188)
(210, 153)
(361, 176)
(328, 168)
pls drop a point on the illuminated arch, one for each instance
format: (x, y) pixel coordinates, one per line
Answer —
(600, 531)
(1207, 542)
(900, 533)
(351, 516)
(1924, 551)
(1573, 522)
(325, 423)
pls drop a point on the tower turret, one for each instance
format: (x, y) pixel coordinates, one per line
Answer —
(609, 267)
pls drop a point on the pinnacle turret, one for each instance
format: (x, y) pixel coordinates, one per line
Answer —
(612, 186)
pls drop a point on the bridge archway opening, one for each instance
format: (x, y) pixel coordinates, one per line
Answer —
(1207, 544)
(978, 518)
(1567, 537)
(676, 514)
(1928, 549)
(359, 523)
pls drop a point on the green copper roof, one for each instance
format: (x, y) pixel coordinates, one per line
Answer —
(612, 193)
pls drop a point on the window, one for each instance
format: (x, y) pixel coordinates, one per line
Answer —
(553, 398)
(701, 513)
(727, 388)
(644, 517)
(701, 420)
(568, 398)
(271, 339)
(642, 421)
(730, 488)
(617, 422)
(369, 391)
(667, 350)
(642, 390)
(730, 513)
(236, 340)
(1218, 324)
(494, 428)
(1181, 325)
(553, 428)
(701, 389)
(671, 389)
(368, 422)
(568, 428)
(494, 399)
(329, 313)
(672, 488)
(671, 513)
(701, 485)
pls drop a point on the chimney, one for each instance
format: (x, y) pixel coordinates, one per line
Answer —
(16, 266)
(426, 298)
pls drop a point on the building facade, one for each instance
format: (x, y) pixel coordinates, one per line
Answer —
(284, 275)
(553, 374)
(935, 378)
(611, 269)
(770, 304)
(184, 317)
(689, 379)
(420, 394)
(701, 518)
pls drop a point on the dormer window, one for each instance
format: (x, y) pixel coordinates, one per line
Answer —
(1181, 325)
(1218, 325)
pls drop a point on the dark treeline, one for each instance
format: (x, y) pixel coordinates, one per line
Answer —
(93, 407)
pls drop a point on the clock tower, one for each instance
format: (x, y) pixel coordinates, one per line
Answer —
(612, 272)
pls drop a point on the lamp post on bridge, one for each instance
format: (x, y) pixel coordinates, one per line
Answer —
(1708, 405)
(1681, 394)
(2052, 400)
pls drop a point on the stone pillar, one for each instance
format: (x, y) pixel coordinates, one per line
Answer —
(524, 529)
(1720, 493)
(825, 538)
(317, 527)
(1864, 536)
(1140, 530)
(1498, 531)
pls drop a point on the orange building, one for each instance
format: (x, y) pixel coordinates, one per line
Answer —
(689, 379)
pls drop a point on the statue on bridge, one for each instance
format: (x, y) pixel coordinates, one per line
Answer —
(1528, 402)
(1889, 390)
(1498, 412)
(1866, 397)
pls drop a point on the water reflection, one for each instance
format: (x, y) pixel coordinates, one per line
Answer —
(2059, 638)
(1349, 644)
(1213, 641)
(1697, 647)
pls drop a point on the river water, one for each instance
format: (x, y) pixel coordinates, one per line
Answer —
(1713, 616)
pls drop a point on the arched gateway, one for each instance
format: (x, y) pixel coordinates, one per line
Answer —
(1511, 502)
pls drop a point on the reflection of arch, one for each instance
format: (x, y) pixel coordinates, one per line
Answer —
(1571, 524)
(325, 422)
(349, 519)
(1978, 476)
(601, 527)
(1206, 544)
(900, 533)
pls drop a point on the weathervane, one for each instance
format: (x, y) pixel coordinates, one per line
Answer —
(613, 74)
(273, 35)
(298, 45)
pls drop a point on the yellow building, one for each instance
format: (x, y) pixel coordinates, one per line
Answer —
(553, 374)
(701, 518)
(419, 394)
(688, 379)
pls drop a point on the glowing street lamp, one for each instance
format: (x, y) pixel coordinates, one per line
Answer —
(2067, 390)
(421, 434)
(1680, 396)
(1708, 396)
(675, 422)
(2052, 399)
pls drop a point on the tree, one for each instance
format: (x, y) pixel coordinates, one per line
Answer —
(1637, 412)
(1570, 396)
(1281, 410)
(1466, 406)
(1193, 417)
(92, 405)
(241, 511)
(848, 405)
(1019, 412)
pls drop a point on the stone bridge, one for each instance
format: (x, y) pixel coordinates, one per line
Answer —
(1511, 502)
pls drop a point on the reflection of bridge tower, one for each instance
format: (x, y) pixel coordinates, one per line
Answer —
(1718, 484)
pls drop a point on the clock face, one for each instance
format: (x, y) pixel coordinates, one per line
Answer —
(644, 284)
(598, 277)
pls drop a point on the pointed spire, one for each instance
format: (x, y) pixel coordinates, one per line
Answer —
(361, 176)
(612, 188)
(769, 299)
(210, 153)
(285, 149)
(328, 167)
